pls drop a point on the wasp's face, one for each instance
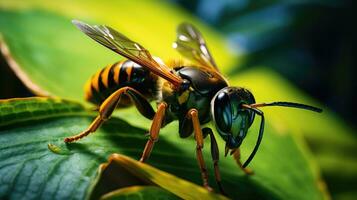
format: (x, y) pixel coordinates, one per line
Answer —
(231, 120)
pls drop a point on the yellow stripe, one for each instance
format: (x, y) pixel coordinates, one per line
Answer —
(117, 71)
(105, 75)
(95, 80)
(88, 90)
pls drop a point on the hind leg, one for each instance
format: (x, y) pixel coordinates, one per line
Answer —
(108, 106)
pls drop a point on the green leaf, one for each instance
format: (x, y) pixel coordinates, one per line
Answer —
(139, 192)
(36, 164)
(14, 111)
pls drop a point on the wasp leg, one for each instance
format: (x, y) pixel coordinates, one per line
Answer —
(108, 106)
(215, 157)
(154, 131)
(193, 115)
(237, 157)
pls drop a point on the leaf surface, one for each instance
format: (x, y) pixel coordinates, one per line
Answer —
(37, 164)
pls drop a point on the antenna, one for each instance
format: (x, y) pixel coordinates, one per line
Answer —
(287, 104)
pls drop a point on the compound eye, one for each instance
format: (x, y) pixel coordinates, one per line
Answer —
(223, 112)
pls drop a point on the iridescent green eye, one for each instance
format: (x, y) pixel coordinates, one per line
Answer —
(223, 112)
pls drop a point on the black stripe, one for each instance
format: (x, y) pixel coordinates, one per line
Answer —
(96, 96)
(123, 76)
(111, 82)
(103, 91)
(100, 82)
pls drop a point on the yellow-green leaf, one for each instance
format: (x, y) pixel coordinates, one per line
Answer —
(139, 192)
(148, 175)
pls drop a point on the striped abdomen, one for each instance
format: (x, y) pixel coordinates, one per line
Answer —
(118, 75)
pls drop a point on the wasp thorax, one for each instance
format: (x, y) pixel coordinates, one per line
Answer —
(231, 120)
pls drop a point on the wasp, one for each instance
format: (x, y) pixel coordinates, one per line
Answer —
(194, 94)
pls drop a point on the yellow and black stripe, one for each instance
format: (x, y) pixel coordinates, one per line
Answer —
(118, 75)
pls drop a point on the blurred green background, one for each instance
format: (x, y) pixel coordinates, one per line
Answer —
(310, 43)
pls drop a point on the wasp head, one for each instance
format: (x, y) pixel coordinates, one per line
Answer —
(233, 110)
(231, 121)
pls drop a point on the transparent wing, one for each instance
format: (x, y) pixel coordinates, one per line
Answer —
(191, 44)
(122, 45)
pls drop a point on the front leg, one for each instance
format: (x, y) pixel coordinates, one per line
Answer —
(193, 115)
(237, 157)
